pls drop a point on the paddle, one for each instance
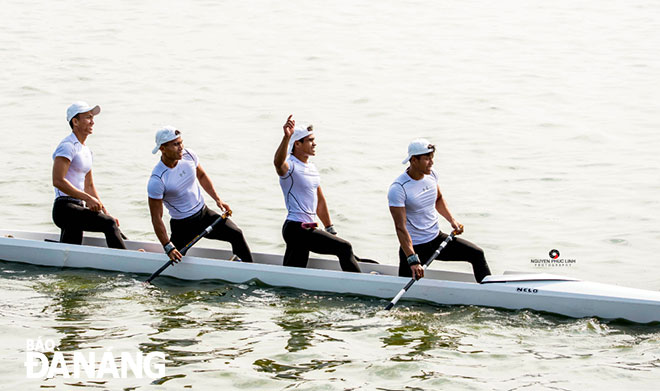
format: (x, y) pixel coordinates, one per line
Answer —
(412, 281)
(184, 250)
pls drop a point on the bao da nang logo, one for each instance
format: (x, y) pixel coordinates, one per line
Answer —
(42, 360)
(553, 261)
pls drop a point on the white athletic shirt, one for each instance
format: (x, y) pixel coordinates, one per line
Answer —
(177, 187)
(418, 197)
(299, 186)
(80, 157)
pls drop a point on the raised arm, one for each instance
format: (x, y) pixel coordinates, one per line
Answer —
(281, 166)
(207, 185)
(60, 168)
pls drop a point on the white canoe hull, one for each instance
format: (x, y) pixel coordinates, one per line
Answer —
(540, 292)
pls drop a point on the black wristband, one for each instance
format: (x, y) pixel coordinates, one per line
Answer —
(168, 247)
(413, 260)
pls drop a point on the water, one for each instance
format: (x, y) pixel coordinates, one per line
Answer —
(546, 120)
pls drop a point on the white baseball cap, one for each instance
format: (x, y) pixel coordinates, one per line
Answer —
(299, 134)
(80, 107)
(165, 135)
(420, 146)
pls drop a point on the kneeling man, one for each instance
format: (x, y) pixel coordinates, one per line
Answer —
(301, 185)
(415, 201)
(77, 206)
(175, 181)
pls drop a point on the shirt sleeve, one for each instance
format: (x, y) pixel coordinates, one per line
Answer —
(397, 195)
(290, 163)
(155, 188)
(434, 174)
(66, 150)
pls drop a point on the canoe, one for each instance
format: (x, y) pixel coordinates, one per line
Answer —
(541, 292)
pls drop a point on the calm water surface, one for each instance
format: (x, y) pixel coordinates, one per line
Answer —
(546, 119)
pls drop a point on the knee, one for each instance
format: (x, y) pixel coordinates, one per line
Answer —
(110, 223)
(235, 234)
(479, 255)
(345, 247)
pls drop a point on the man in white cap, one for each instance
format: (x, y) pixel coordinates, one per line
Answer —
(415, 201)
(301, 185)
(177, 181)
(77, 206)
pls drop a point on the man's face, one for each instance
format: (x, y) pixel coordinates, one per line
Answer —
(422, 163)
(84, 122)
(307, 146)
(173, 149)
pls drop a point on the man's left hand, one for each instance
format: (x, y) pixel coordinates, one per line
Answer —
(458, 227)
(223, 206)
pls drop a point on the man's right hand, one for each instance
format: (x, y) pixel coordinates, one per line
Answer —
(175, 255)
(417, 271)
(93, 204)
(289, 126)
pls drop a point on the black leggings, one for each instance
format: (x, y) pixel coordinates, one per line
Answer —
(300, 241)
(73, 218)
(185, 230)
(456, 250)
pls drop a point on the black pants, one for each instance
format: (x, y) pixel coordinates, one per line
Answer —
(73, 218)
(300, 241)
(456, 250)
(185, 230)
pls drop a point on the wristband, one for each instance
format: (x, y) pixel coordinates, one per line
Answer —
(413, 260)
(331, 229)
(168, 247)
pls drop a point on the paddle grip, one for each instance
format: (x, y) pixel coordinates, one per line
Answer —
(426, 264)
(184, 250)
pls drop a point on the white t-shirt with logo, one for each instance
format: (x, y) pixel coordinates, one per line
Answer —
(177, 187)
(418, 197)
(299, 186)
(81, 159)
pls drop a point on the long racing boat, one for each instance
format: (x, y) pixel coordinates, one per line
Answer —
(541, 292)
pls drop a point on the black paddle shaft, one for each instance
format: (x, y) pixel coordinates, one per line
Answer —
(412, 280)
(184, 250)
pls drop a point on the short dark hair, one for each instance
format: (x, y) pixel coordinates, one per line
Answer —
(71, 120)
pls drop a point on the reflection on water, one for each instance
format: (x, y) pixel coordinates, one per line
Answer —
(251, 336)
(420, 338)
(74, 301)
(300, 318)
(296, 372)
(184, 315)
